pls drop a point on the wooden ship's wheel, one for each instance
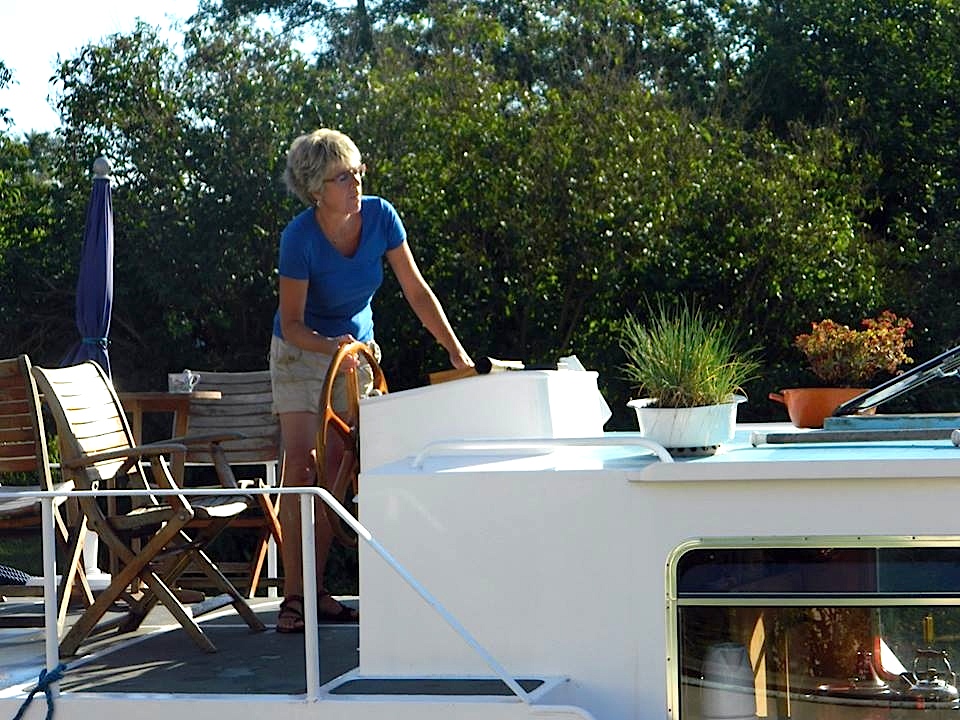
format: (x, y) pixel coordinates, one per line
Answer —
(346, 425)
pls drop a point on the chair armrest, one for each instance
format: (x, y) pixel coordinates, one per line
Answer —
(137, 451)
(208, 438)
(248, 483)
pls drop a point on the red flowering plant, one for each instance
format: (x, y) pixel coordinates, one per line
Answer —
(843, 357)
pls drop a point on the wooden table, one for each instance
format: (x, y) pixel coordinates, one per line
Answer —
(137, 404)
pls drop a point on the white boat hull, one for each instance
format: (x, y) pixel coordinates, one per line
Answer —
(557, 565)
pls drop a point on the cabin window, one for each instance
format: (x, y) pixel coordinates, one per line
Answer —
(851, 628)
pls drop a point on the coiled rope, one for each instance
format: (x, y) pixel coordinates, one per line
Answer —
(46, 680)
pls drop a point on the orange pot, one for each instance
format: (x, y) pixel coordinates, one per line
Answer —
(808, 407)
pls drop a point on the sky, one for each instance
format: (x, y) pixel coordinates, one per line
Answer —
(33, 32)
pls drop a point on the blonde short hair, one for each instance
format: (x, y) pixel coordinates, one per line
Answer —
(310, 157)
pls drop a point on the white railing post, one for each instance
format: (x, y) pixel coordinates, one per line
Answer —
(273, 565)
(311, 636)
(51, 639)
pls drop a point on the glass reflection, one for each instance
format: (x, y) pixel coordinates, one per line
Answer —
(818, 662)
(886, 652)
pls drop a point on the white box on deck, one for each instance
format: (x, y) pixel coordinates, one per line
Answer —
(517, 404)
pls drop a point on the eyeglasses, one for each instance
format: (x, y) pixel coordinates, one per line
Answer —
(348, 176)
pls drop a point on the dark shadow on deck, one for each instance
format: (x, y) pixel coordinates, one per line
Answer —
(245, 662)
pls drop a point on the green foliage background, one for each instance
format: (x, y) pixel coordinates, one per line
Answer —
(556, 166)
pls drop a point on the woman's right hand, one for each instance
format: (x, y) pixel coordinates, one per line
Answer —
(350, 362)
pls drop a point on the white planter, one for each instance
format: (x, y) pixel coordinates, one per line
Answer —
(698, 430)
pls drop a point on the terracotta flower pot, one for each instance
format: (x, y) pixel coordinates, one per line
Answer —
(808, 407)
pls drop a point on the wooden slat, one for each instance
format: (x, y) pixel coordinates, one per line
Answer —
(110, 425)
(260, 410)
(220, 506)
(9, 368)
(243, 394)
(18, 507)
(13, 394)
(143, 517)
(21, 464)
(103, 442)
(220, 380)
(247, 396)
(253, 422)
(15, 435)
(79, 408)
(249, 444)
(16, 420)
(238, 453)
(237, 458)
(18, 449)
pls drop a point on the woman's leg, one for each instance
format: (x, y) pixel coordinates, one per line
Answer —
(299, 432)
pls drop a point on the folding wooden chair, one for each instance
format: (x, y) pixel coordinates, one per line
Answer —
(239, 428)
(23, 451)
(97, 452)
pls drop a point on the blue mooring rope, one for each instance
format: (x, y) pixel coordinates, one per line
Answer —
(46, 680)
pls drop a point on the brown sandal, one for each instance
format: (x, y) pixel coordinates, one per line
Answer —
(291, 612)
(345, 613)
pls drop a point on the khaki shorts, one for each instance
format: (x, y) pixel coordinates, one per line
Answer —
(297, 378)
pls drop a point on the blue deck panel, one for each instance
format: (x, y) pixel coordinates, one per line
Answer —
(740, 450)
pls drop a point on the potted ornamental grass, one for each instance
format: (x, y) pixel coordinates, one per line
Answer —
(689, 375)
(846, 362)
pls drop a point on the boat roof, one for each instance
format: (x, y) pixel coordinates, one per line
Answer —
(747, 456)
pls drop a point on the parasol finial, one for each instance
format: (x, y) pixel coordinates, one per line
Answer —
(101, 167)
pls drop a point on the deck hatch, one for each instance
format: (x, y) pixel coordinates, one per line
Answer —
(432, 686)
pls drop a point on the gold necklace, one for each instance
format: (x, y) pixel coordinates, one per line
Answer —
(345, 237)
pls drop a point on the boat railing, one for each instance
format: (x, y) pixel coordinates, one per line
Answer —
(499, 445)
(307, 517)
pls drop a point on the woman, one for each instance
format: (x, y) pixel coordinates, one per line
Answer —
(331, 264)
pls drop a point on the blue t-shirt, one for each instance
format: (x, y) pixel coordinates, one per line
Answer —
(339, 288)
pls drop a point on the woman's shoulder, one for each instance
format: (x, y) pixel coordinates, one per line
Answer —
(380, 217)
(377, 205)
(302, 221)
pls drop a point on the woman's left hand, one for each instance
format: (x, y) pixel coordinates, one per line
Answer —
(460, 360)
